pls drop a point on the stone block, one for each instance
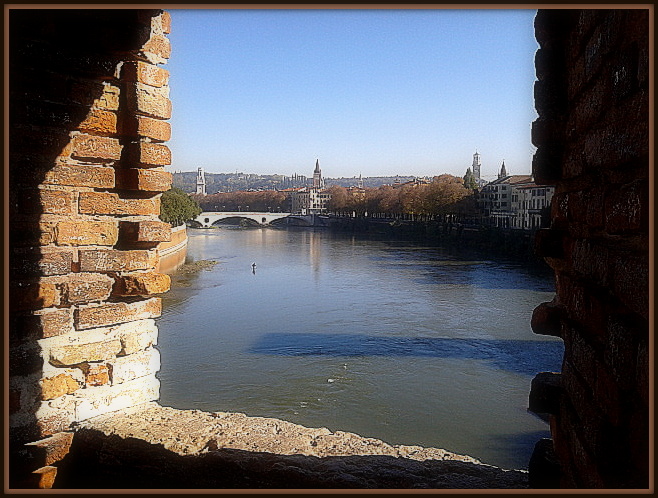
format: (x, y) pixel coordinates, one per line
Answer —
(545, 393)
(55, 415)
(110, 260)
(84, 288)
(99, 121)
(50, 450)
(141, 284)
(154, 129)
(149, 101)
(547, 319)
(165, 19)
(42, 262)
(159, 46)
(33, 295)
(139, 338)
(148, 74)
(84, 92)
(74, 354)
(111, 204)
(27, 234)
(148, 180)
(144, 231)
(59, 385)
(44, 477)
(47, 201)
(96, 401)
(80, 175)
(149, 154)
(91, 316)
(140, 364)
(96, 374)
(86, 232)
(45, 323)
(625, 208)
(96, 148)
(630, 282)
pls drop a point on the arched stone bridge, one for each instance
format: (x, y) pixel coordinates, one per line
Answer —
(207, 219)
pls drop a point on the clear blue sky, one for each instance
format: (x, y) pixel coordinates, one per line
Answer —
(371, 92)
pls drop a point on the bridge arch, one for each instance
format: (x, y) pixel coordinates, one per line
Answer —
(209, 219)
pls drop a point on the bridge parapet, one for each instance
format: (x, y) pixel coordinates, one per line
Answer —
(208, 219)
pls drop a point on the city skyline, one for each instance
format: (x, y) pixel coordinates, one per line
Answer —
(373, 92)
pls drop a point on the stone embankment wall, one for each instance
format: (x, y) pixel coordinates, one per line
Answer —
(592, 138)
(171, 254)
(88, 118)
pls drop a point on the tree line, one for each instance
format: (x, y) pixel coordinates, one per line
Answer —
(445, 194)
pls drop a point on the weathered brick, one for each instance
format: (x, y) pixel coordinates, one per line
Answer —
(140, 364)
(148, 74)
(50, 450)
(101, 95)
(112, 313)
(47, 201)
(148, 180)
(44, 477)
(95, 148)
(591, 260)
(547, 319)
(80, 175)
(96, 374)
(94, 260)
(33, 295)
(631, 282)
(55, 416)
(158, 45)
(625, 207)
(110, 203)
(165, 19)
(144, 231)
(151, 128)
(85, 232)
(32, 234)
(54, 387)
(149, 101)
(74, 354)
(43, 262)
(46, 323)
(84, 288)
(141, 284)
(150, 154)
(99, 121)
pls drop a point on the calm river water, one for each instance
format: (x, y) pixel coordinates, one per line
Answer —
(406, 343)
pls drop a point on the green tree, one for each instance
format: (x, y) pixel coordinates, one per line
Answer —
(176, 207)
(469, 180)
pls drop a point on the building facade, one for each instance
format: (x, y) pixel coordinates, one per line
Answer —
(313, 199)
(514, 201)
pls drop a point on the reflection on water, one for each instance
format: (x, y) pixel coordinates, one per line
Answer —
(406, 343)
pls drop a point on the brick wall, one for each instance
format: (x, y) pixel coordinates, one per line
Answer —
(88, 118)
(592, 138)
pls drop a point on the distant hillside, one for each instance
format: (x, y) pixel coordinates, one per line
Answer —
(230, 182)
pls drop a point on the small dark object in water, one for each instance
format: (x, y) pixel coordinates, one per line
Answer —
(253, 268)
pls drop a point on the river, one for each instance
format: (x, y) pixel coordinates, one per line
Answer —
(399, 341)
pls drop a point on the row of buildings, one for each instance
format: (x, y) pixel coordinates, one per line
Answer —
(510, 201)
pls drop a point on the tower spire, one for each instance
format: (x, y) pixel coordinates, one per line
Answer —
(317, 175)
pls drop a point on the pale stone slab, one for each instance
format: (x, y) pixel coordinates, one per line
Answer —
(95, 401)
(134, 366)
